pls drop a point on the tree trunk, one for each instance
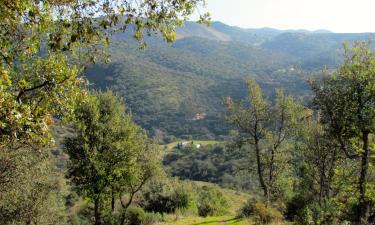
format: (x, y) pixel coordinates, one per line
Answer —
(122, 219)
(260, 170)
(331, 173)
(364, 206)
(113, 201)
(271, 165)
(97, 215)
(270, 188)
(322, 182)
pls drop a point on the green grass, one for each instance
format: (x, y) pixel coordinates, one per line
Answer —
(171, 146)
(235, 199)
(217, 220)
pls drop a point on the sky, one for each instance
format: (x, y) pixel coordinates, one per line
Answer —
(334, 15)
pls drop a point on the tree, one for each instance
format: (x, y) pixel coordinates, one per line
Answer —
(325, 177)
(34, 91)
(267, 129)
(347, 108)
(320, 156)
(45, 45)
(147, 167)
(287, 115)
(108, 153)
(251, 122)
(30, 191)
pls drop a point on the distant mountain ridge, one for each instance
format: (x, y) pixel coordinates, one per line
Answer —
(223, 32)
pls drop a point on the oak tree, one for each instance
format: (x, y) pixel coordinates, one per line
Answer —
(267, 129)
(346, 101)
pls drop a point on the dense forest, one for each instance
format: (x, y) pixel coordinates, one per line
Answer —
(127, 114)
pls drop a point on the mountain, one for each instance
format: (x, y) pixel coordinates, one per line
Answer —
(191, 29)
(314, 49)
(223, 32)
(178, 89)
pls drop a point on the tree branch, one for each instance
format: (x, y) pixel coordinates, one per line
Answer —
(132, 193)
(347, 154)
(24, 91)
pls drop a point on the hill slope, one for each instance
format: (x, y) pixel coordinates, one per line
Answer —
(166, 87)
(179, 89)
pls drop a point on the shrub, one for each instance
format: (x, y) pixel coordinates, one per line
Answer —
(152, 218)
(305, 212)
(265, 215)
(261, 213)
(205, 209)
(306, 218)
(211, 202)
(295, 207)
(326, 213)
(247, 209)
(166, 198)
(135, 216)
(181, 198)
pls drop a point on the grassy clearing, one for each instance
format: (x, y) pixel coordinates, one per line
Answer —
(172, 145)
(218, 220)
(235, 199)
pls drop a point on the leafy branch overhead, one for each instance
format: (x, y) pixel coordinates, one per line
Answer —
(45, 45)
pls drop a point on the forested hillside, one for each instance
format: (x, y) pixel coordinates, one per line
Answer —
(178, 89)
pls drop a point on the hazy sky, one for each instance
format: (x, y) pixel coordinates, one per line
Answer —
(334, 15)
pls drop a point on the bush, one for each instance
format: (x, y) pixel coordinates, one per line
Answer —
(247, 209)
(305, 212)
(152, 218)
(166, 198)
(326, 213)
(296, 208)
(265, 215)
(261, 213)
(211, 202)
(306, 217)
(181, 198)
(135, 216)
